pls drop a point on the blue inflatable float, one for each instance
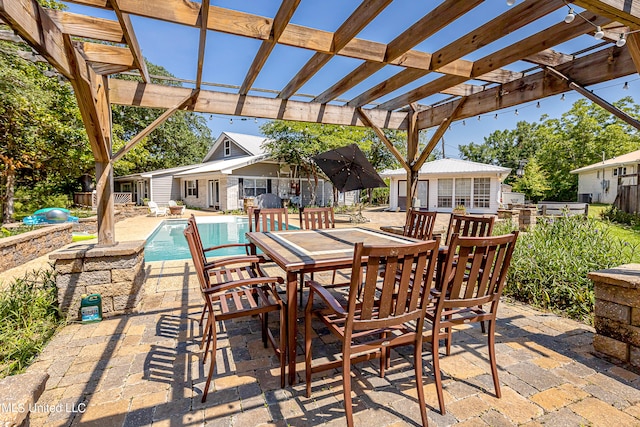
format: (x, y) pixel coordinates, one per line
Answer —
(49, 216)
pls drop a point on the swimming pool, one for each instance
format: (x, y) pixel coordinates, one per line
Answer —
(167, 242)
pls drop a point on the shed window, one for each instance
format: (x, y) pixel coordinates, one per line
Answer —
(481, 192)
(445, 193)
(463, 192)
(227, 148)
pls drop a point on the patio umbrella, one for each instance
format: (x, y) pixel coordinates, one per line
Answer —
(348, 169)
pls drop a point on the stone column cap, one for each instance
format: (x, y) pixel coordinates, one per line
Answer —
(18, 393)
(627, 276)
(94, 250)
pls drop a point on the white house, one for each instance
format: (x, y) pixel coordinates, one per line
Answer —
(447, 183)
(236, 167)
(598, 183)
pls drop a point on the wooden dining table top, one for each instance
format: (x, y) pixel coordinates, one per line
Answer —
(295, 250)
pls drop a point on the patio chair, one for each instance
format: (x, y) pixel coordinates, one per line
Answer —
(469, 226)
(271, 219)
(174, 206)
(374, 321)
(420, 224)
(316, 219)
(468, 289)
(238, 290)
(156, 210)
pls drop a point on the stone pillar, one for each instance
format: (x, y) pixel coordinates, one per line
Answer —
(115, 272)
(526, 219)
(617, 312)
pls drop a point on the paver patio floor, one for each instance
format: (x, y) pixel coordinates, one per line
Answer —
(145, 369)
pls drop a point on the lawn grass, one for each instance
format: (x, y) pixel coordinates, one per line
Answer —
(622, 232)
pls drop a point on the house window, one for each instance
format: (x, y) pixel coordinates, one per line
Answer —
(481, 192)
(227, 148)
(463, 192)
(192, 188)
(445, 193)
(615, 171)
(125, 187)
(254, 187)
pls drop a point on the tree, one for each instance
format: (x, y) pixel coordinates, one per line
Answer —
(533, 183)
(295, 143)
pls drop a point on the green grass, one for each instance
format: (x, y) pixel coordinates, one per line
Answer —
(620, 231)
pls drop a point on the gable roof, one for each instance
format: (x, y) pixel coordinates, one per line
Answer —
(151, 174)
(625, 159)
(251, 144)
(223, 166)
(451, 167)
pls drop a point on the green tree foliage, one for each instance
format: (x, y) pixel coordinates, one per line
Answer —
(580, 137)
(534, 183)
(295, 143)
(182, 140)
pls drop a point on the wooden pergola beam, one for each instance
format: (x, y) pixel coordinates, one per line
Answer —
(359, 19)
(132, 40)
(598, 67)
(367, 120)
(538, 42)
(87, 26)
(624, 11)
(127, 92)
(157, 122)
(284, 14)
(107, 54)
(596, 99)
(437, 135)
(204, 22)
(633, 44)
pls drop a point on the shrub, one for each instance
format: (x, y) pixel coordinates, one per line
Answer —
(30, 316)
(614, 214)
(550, 264)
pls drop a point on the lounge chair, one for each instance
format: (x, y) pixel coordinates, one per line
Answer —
(156, 210)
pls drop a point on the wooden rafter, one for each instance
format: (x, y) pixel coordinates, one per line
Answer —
(549, 57)
(126, 92)
(633, 44)
(88, 27)
(363, 15)
(428, 25)
(367, 120)
(538, 42)
(132, 40)
(204, 20)
(157, 122)
(624, 11)
(601, 66)
(107, 54)
(284, 14)
(437, 135)
(596, 99)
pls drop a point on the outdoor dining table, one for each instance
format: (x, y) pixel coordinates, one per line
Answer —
(307, 251)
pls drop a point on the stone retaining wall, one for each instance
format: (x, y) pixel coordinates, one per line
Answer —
(116, 273)
(16, 250)
(617, 312)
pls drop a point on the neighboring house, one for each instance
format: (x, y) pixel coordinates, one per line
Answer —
(598, 183)
(447, 183)
(235, 168)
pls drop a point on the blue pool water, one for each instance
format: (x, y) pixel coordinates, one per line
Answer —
(167, 242)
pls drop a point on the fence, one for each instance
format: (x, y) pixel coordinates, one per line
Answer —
(627, 198)
(91, 199)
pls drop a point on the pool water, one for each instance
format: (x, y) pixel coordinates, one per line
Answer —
(167, 242)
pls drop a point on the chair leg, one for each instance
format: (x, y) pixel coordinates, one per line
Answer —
(265, 325)
(346, 385)
(492, 356)
(211, 333)
(205, 329)
(212, 365)
(307, 342)
(436, 368)
(417, 355)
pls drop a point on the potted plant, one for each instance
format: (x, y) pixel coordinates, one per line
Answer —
(460, 210)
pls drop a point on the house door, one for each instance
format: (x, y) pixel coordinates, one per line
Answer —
(214, 194)
(139, 193)
(422, 194)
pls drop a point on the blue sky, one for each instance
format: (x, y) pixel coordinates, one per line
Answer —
(228, 58)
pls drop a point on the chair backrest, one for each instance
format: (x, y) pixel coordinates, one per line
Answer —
(152, 205)
(420, 224)
(275, 219)
(401, 295)
(197, 255)
(317, 218)
(469, 226)
(475, 270)
(191, 222)
(172, 203)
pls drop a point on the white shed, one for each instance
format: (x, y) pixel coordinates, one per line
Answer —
(446, 183)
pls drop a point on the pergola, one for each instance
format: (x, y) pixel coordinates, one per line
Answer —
(75, 45)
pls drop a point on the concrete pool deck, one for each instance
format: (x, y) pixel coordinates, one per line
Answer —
(146, 369)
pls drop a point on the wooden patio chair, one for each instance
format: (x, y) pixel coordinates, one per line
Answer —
(374, 321)
(420, 224)
(270, 219)
(237, 290)
(469, 226)
(316, 219)
(470, 294)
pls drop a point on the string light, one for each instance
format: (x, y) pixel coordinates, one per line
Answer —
(464, 123)
(570, 16)
(516, 112)
(511, 2)
(538, 104)
(599, 34)
(496, 116)
(478, 118)
(626, 86)
(562, 97)
(622, 40)
(255, 120)
(230, 121)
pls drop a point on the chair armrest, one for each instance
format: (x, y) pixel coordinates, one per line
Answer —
(240, 259)
(326, 297)
(228, 245)
(244, 282)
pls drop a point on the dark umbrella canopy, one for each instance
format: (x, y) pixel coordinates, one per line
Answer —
(348, 169)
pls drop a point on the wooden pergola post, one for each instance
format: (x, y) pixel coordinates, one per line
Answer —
(412, 156)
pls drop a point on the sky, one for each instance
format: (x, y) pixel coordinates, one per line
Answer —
(228, 58)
